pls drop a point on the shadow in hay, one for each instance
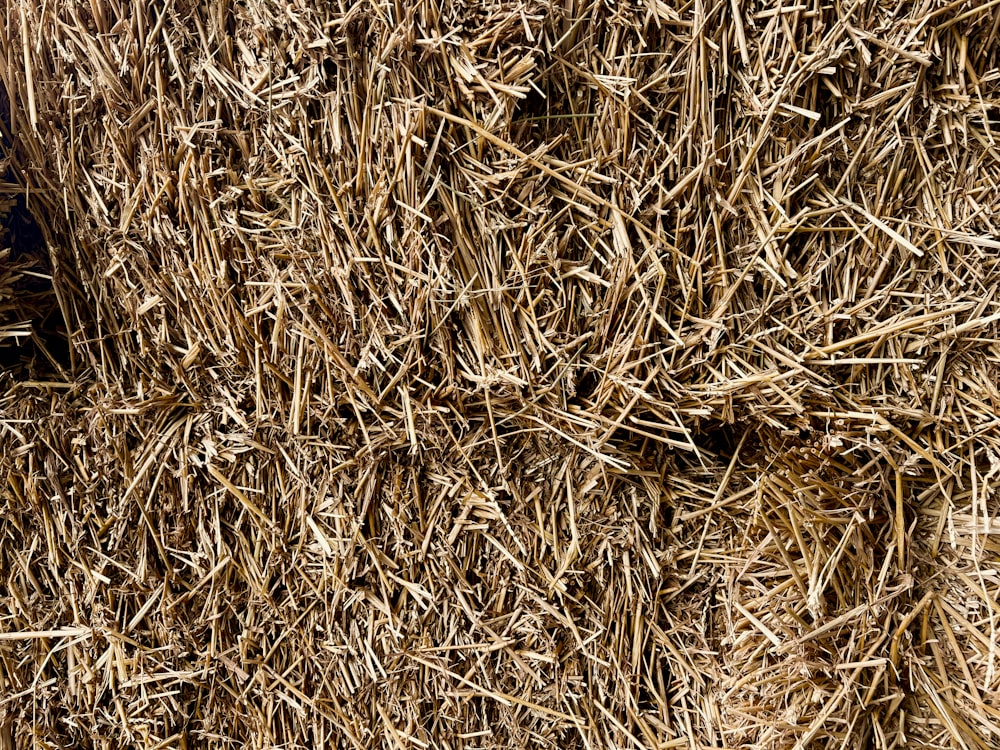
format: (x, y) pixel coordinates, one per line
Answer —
(28, 303)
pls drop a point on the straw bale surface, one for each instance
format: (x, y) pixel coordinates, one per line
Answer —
(500, 374)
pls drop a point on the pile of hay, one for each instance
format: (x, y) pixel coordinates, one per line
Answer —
(498, 374)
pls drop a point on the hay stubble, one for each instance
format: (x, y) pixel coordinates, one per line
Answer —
(504, 375)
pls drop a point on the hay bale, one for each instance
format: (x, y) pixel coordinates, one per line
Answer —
(502, 375)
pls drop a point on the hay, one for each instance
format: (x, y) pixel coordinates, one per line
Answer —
(499, 374)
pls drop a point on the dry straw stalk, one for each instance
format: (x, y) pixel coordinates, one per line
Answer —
(449, 374)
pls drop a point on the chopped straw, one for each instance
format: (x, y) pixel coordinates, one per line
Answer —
(500, 374)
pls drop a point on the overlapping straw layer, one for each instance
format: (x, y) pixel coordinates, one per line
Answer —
(499, 374)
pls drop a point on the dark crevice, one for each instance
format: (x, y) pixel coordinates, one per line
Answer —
(27, 298)
(33, 335)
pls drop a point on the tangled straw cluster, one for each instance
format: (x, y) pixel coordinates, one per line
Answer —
(451, 375)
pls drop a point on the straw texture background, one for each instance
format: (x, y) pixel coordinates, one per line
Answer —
(449, 374)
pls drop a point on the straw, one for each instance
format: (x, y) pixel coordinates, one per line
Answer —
(498, 375)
